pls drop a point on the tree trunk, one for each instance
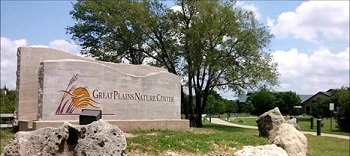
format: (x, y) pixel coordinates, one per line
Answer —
(190, 102)
(198, 110)
(199, 120)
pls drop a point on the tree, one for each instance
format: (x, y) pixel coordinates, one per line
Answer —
(341, 98)
(211, 109)
(248, 107)
(321, 107)
(230, 107)
(216, 104)
(7, 98)
(7, 103)
(211, 44)
(262, 101)
(286, 101)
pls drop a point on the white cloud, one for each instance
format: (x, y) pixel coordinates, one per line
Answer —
(249, 7)
(310, 73)
(9, 56)
(312, 19)
(64, 45)
(270, 22)
(9, 61)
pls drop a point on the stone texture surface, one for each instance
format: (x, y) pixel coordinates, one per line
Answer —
(145, 79)
(120, 96)
(265, 150)
(127, 125)
(290, 139)
(294, 123)
(27, 84)
(97, 138)
(47, 141)
(268, 121)
(28, 63)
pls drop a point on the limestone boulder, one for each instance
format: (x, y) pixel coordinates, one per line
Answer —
(290, 139)
(269, 121)
(46, 141)
(266, 150)
(97, 138)
(100, 138)
(294, 123)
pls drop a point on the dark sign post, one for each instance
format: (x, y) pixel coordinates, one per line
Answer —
(331, 108)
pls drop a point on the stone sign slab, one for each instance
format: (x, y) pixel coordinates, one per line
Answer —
(68, 86)
(53, 86)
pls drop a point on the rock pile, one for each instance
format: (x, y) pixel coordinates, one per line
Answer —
(290, 139)
(268, 121)
(97, 138)
(279, 132)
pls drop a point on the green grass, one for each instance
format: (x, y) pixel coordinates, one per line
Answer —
(212, 138)
(5, 136)
(198, 140)
(304, 126)
(326, 146)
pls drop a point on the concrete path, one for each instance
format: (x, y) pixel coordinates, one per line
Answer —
(222, 122)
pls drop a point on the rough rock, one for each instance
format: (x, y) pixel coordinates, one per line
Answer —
(269, 121)
(97, 138)
(46, 141)
(266, 150)
(294, 123)
(290, 139)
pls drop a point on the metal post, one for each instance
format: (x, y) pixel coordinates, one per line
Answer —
(318, 127)
(331, 108)
(331, 120)
(312, 123)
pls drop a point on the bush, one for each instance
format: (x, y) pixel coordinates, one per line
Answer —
(342, 99)
(321, 107)
(7, 98)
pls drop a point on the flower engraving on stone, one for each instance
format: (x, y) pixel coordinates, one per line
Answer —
(79, 98)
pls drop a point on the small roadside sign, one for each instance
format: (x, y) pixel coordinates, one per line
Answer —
(331, 106)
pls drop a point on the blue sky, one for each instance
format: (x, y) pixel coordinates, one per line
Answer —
(311, 43)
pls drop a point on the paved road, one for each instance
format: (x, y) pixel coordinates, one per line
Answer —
(222, 122)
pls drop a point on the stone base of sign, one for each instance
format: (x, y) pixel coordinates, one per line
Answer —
(124, 125)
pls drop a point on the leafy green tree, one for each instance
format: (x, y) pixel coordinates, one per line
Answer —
(341, 98)
(286, 101)
(230, 107)
(7, 103)
(7, 100)
(262, 101)
(211, 44)
(321, 107)
(248, 107)
(211, 109)
(216, 104)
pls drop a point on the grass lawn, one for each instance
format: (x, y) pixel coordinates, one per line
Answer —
(198, 141)
(212, 139)
(5, 136)
(304, 126)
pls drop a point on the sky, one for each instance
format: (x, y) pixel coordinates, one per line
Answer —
(310, 44)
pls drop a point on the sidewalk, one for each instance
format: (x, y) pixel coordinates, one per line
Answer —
(222, 122)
